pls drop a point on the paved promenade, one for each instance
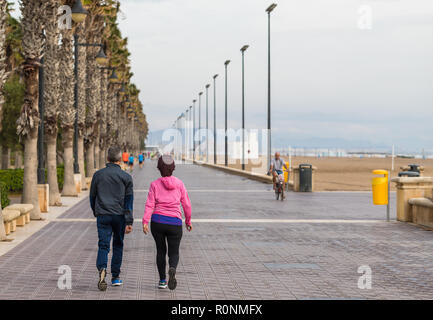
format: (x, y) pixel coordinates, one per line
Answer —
(245, 245)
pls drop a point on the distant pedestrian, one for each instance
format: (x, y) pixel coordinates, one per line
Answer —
(163, 210)
(140, 160)
(111, 199)
(125, 158)
(131, 162)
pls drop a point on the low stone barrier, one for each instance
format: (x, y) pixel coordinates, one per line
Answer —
(412, 194)
(251, 175)
(422, 211)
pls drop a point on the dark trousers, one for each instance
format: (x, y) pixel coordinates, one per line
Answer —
(166, 234)
(110, 225)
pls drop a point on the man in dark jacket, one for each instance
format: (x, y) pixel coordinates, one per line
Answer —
(111, 199)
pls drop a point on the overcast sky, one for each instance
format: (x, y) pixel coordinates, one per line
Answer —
(330, 78)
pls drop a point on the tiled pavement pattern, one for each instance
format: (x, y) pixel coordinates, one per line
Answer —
(226, 260)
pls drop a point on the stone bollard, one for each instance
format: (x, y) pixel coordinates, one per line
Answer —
(44, 197)
(88, 182)
(77, 180)
(408, 188)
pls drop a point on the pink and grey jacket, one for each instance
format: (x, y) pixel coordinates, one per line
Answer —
(165, 197)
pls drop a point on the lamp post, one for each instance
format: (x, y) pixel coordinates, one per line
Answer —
(243, 49)
(269, 10)
(225, 134)
(193, 130)
(189, 131)
(199, 124)
(207, 122)
(101, 59)
(41, 131)
(79, 14)
(185, 135)
(214, 121)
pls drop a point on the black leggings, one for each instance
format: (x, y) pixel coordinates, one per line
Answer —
(163, 234)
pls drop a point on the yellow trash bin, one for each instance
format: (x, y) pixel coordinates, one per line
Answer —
(286, 173)
(380, 188)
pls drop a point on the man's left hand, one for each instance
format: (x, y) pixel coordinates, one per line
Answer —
(128, 229)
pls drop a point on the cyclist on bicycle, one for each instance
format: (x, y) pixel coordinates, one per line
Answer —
(276, 168)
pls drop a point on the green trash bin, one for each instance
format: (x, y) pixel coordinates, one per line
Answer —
(305, 178)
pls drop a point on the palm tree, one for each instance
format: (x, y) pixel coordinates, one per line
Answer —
(67, 116)
(82, 84)
(32, 12)
(103, 133)
(3, 16)
(51, 98)
(94, 27)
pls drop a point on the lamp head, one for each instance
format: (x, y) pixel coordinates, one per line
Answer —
(215, 76)
(101, 58)
(244, 48)
(123, 89)
(227, 62)
(113, 78)
(271, 7)
(79, 14)
(207, 86)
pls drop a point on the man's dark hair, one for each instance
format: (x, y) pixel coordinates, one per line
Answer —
(114, 154)
(166, 165)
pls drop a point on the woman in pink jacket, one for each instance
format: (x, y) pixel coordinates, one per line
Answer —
(163, 211)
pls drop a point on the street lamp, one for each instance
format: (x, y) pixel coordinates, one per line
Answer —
(186, 135)
(190, 129)
(199, 123)
(193, 130)
(79, 14)
(101, 58)
(269, 10)
(113, 78)
(122, 90)
(243, 49)
(207, 122)
(214, 121)
(225, 136)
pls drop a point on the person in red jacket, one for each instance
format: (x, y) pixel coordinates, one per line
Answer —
(125, 159)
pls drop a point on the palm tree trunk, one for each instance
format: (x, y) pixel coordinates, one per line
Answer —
(3, 6)
(30, 188)
(55, 199)
(6, 157)
(18, 159)
(69, 189)
(68, 111)
(81, 161)
(96, 156)
(97, 150)
(90, 159)
(102, 158)
(52, 97)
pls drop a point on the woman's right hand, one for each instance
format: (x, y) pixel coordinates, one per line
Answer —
(145, 228)
(189, 227)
